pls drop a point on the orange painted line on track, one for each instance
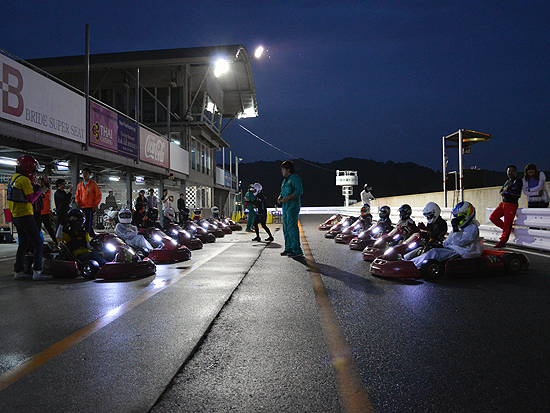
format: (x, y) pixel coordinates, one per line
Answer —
(352, 395)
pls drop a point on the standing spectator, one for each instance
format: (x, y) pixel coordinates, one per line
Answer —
(291, 190)
(261, 212)
(152, 201)
(165, 204)
(21, 195)
(510, 192)
(110, 201)
(139, 215)
(534, 187)
(141, 199)
(366, 195)
(62, 200)
(181, 209)
(46, 207)
(87, 198)
(249, 198)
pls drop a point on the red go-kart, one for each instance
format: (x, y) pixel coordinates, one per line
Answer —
(183, 236)
(491, 262)
(232, 224)
(199, 232)
(340, 226)
(166, 249)
(392, 238)
(325, 226)
(352, 231)
(369, 236)
(123, 262)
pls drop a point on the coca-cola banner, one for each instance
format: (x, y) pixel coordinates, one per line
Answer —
(153, 148)
(110, 131)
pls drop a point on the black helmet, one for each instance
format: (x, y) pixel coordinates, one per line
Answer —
(405, 211)
(76, 219)
(153, 214)
(384, 212)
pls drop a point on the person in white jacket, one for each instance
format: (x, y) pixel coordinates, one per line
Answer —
(129, 233)
(533, 187)
(366, 195)
(463, 240)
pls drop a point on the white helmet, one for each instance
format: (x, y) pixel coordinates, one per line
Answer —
(256, 188)
(431, 211)
(169, 213)
(215, 210)
(125, 216)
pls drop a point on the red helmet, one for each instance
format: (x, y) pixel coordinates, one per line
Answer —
(29, 165)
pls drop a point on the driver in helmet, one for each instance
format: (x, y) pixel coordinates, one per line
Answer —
(77, 238)
(384, 221)
(366, 217)
(432, 234)
(261, 212)
(463, 241)
(215, 213)
(197, 214)
(405, 223)
(169, 217)
(152, 217)
(129, 233)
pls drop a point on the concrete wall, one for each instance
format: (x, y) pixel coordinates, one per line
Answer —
(481, 198)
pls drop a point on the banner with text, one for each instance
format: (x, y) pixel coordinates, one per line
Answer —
(153, 148)
(110, 131)
(31, 99)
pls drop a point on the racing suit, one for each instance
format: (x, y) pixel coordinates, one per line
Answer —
(261, 215)
(510, 192)
(292, 185)
(465, 242)
(129, 233)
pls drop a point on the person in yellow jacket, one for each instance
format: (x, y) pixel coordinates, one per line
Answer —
(21, 195)
(87, 198)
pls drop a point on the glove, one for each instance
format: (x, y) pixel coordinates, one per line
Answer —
(454, 223)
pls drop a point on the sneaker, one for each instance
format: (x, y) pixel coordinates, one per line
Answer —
(22, 276)
(292, 255)
(256, 239)
(38, 276)
(285, 253)
(269, 239)
(500, 244)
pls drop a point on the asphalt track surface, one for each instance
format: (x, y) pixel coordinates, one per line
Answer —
(240, 328)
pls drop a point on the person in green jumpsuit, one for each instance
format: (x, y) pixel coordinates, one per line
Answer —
(291, 190)
(249, 196)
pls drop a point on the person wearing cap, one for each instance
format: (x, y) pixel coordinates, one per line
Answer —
(87, 198)
(289, 198)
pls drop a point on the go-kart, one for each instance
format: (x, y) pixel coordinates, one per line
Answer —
(184, 237)
(232, 224)
(391, 239)
(199, 232)
(340, 226)
(166, 249)
(348, 233)
(369, 236)
(491, 262)
(325, 226)
(123, 262)
(210, 228)
(225, 228)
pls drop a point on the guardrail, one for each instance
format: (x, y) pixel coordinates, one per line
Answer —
(531, 227)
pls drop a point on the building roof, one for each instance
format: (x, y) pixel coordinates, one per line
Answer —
(237, 85)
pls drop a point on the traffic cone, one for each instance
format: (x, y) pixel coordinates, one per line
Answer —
(233, 216)
(269, 218)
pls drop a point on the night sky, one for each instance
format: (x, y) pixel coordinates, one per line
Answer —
(381, 80)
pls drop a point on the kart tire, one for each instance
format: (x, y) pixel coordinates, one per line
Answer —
(512, 264)
(90, 269)
(432, 270)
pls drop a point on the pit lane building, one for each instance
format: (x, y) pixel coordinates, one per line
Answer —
(156, 119)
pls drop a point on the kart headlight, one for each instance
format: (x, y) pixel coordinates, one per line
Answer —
(376, 230)
(110, 247)
(157, 237)
(187, 234)
(205, 224)
(396, 236)
(175, 231)
(174, 241)
(193, 227)
(412, 246)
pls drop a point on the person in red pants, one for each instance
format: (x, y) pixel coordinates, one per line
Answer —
(510, 192)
